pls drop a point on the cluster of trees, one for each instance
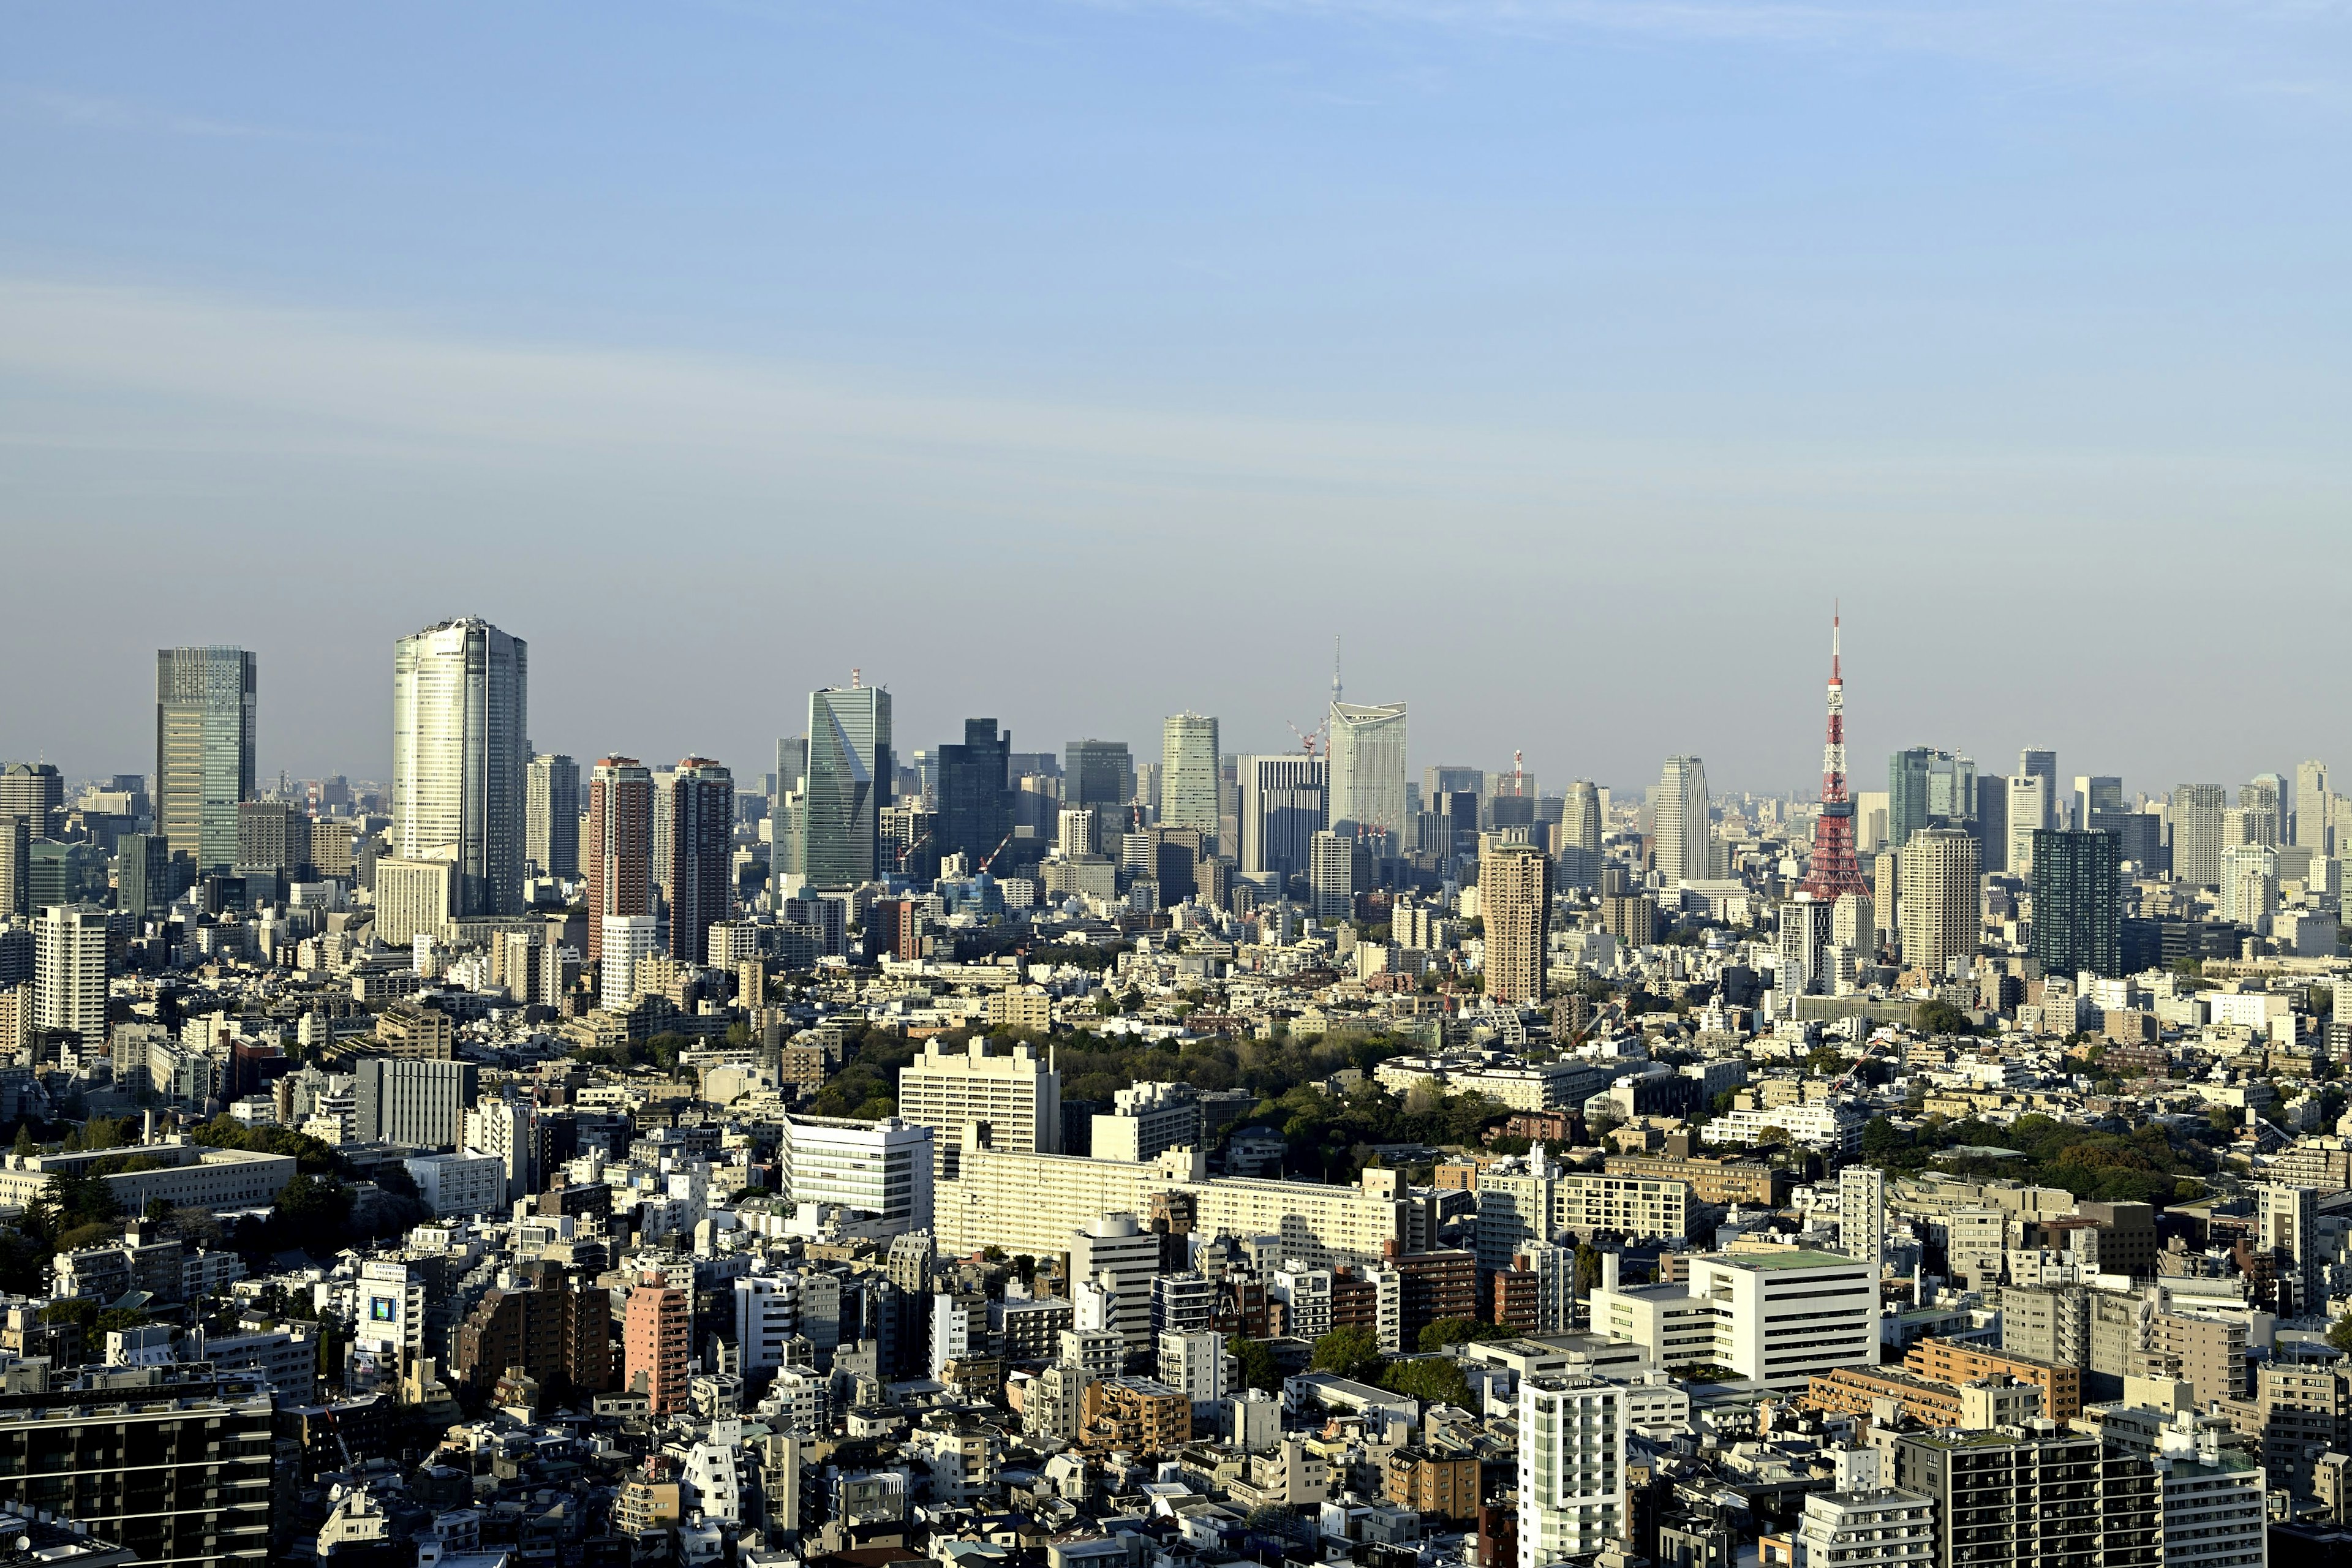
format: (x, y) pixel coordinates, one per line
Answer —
(310, 1154)
(2140, 1166)
(1355, 1353)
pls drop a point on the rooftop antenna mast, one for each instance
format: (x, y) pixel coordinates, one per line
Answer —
(1334, 669)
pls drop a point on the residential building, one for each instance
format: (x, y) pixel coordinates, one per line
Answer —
(1860, 1521)
(70, 971)
(413, 899)
(551, 843)
(1113, 1261)
(459, 753)
(2033, 1495)
(1427, 1481)
(1678, 814)
(1937, 905)
(1515, 905)
(206, 703)
(1571, 1467)
(2197, 812)
(1012, 1098)
(656, 1335)
(701, 879)
(1954, 1362)
(2076, 883)
(273, 834)
(1332, 876)
(620, 850)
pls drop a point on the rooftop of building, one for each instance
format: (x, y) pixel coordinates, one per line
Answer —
(1774, 1262)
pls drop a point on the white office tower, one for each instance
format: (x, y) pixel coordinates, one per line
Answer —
(2197, 812)
(70, 971)
(1861, 1215)
(2028, 812)
(1011, 1097)
(1678, 821)
(460, 758)
(1806, 930)
(1188, 773)
(882, 1168)
(1368, 774)
(1113, 1260)
(1860, 1521)
(767, 1315)
(1571, 1467)
(2250, 886)
(2313, 808)
(629, 941)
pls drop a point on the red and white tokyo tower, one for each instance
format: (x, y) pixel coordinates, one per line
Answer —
(1835, 869)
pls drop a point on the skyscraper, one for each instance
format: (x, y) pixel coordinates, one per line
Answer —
(1187, 779)
(2197, 833)
(1678, 821)
(206, 702)
(1576, 844)
(2311, 807)
(2029, 814)
(1938, 907)
(620, 844)
(1282, 809)
(2077, 902)
(1331, 875)
(143, 876)
(701, 847)
(1925, 788)
(460, 716)
(1515, 905)
(15, 865)
(1366, 761)
(975, 792)
(1097, 775)
(552, 817)
(70, 971)
(852, 774)
(2249, 884)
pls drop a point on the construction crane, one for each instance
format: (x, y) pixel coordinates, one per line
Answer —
(1308, 739)
(989, 858)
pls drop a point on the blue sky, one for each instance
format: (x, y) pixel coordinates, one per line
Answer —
(1078, 363)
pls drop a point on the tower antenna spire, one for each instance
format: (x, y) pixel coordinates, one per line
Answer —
(1836, 870)
(1334, 669)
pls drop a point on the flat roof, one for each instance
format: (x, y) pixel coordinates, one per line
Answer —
(1798, 1259)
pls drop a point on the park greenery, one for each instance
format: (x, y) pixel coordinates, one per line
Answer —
(2144, 1165)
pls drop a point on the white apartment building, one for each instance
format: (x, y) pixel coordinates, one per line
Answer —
(1113, 1254)
(70, 971)
(1571, 1467)
(1014, 1096)
(1146, 1120)
(1831, 1126)
(1863, 1522)
(1194, 1366)
(767, 1315)
(460, 1184)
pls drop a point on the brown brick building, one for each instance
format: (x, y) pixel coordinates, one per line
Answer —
(1428, 1482)
(1947, 1360)
(558, 1334)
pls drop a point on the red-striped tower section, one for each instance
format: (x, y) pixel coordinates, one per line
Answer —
(1835, 868)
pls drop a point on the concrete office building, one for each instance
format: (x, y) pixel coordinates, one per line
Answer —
(1571, 1467)
(1013, 1094)
(37, 792)
(70, 971)
(273, 834)
(2030, 803)
(1366, 753)
(1678, 818)
(1938, 906)
(143, 883)
(1283, 808)
(881, 1168)
(624, 943)
(207, 702)
(701, 879)
(1188, 773)
(1113, 1260)
(552, 817)
(1515, 904)
(2197, 833)
(413, 897)
(460, 1184)
(1780, 1318)
(461, 716)
(620, 849)
(418, 1104)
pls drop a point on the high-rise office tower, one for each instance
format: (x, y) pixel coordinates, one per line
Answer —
(852, 774)
(550, 845)
(1097, 773)
(1188, 773)
(1925, 788)
(1366, 762)
(1576, 841)
(620, 850)
(206, 705)
(1834, 871)
(460, 716)
(702, 851)
(2249, 884)
(273, 834)
(2197, 833)
(35, 791)
(2077, 902)
(2039, 763)
(1678, 821)
(2098, 803)
(142, 878)
(1283, 808)
(1515, 905)
(70, 971)
(2029, 814)
(975, 792)
(15, 865)
(1938, 906)
(2311, 807)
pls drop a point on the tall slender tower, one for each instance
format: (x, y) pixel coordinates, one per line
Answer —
(1835, 869)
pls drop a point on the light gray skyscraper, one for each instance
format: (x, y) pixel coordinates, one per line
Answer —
(70, 971)
(1678, 819)
(2311, 811)
(1367, 771)
(552, 817)
(1188, 777)
(204, 708)
(2197, 833)
(1938, 910)
(852, 774)
(1283, 808)
(2029, 814)
(460, 716)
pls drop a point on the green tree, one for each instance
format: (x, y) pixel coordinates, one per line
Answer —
(1881, 1137)
(1258, 1367)
(1352, 1353)
(1444, 1332)
(1433, 1380)
(1940, 1018)
(2339, 1333)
